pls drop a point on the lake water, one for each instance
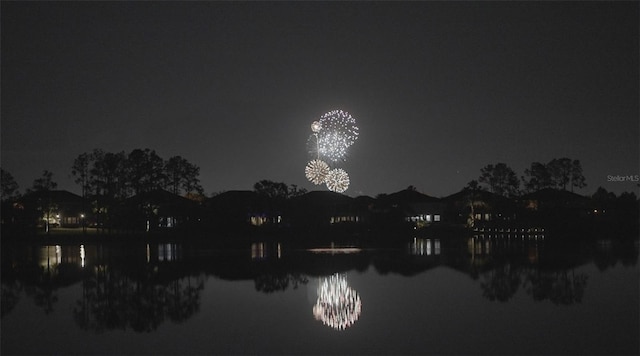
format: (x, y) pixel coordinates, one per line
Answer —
(431, 296)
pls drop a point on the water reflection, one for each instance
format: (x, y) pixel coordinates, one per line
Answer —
(136, 287)
(268, 269)
(169, 252)
(83, 255)
(424, 247)
(264, 250)
(140, 286)
(559, 287)
(338, 305)
(506, 264)
(120, 290)
(113, 299)
(51, 256)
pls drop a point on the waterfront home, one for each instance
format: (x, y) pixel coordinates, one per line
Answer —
(471, 207)
(53, 208)
(158, 209)
(411, 207)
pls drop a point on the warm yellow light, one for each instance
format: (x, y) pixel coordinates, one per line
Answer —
(316, 126)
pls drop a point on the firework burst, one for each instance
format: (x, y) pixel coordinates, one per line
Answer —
(337, 180)
(332, 135)
(316, 171)
(337, 131)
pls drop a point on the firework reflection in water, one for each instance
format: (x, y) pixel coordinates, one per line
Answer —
(338, 306)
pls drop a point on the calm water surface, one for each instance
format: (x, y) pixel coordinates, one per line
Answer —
(432, 296)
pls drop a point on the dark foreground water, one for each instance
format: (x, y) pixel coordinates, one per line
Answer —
(430, 296)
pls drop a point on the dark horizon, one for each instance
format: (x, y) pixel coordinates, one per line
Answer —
(507, 189)
(439, 90)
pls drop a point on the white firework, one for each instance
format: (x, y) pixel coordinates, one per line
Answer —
(316, 171)
(338, 305)
(316, 126)
(338, 132)
(337, 180)
(333, 146)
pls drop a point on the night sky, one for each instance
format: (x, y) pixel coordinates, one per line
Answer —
(439, 89)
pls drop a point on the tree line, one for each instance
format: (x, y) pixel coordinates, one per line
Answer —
(559, 173)
(119, 175)
(111, 176)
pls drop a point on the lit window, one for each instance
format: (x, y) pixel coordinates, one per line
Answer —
(436, 217)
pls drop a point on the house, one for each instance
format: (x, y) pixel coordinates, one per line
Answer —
(554, 203)
(236, 208)
(412, 207)
(471, 207)
(322, 209)
(158, 209)
(53, 208)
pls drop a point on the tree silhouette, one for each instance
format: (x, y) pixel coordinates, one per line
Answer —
(42, 187)
(271, 190)
(81, 171)
(565, 172)
(500, 179)
(560, 170)
(473, 188)
(9, 185)
(294, 191)
(537, 177)
(44, 183)
(182, 176)
(109, 183)
(145, 170)
(577, 178)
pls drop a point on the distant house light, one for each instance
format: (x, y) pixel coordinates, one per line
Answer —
(340, 219)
